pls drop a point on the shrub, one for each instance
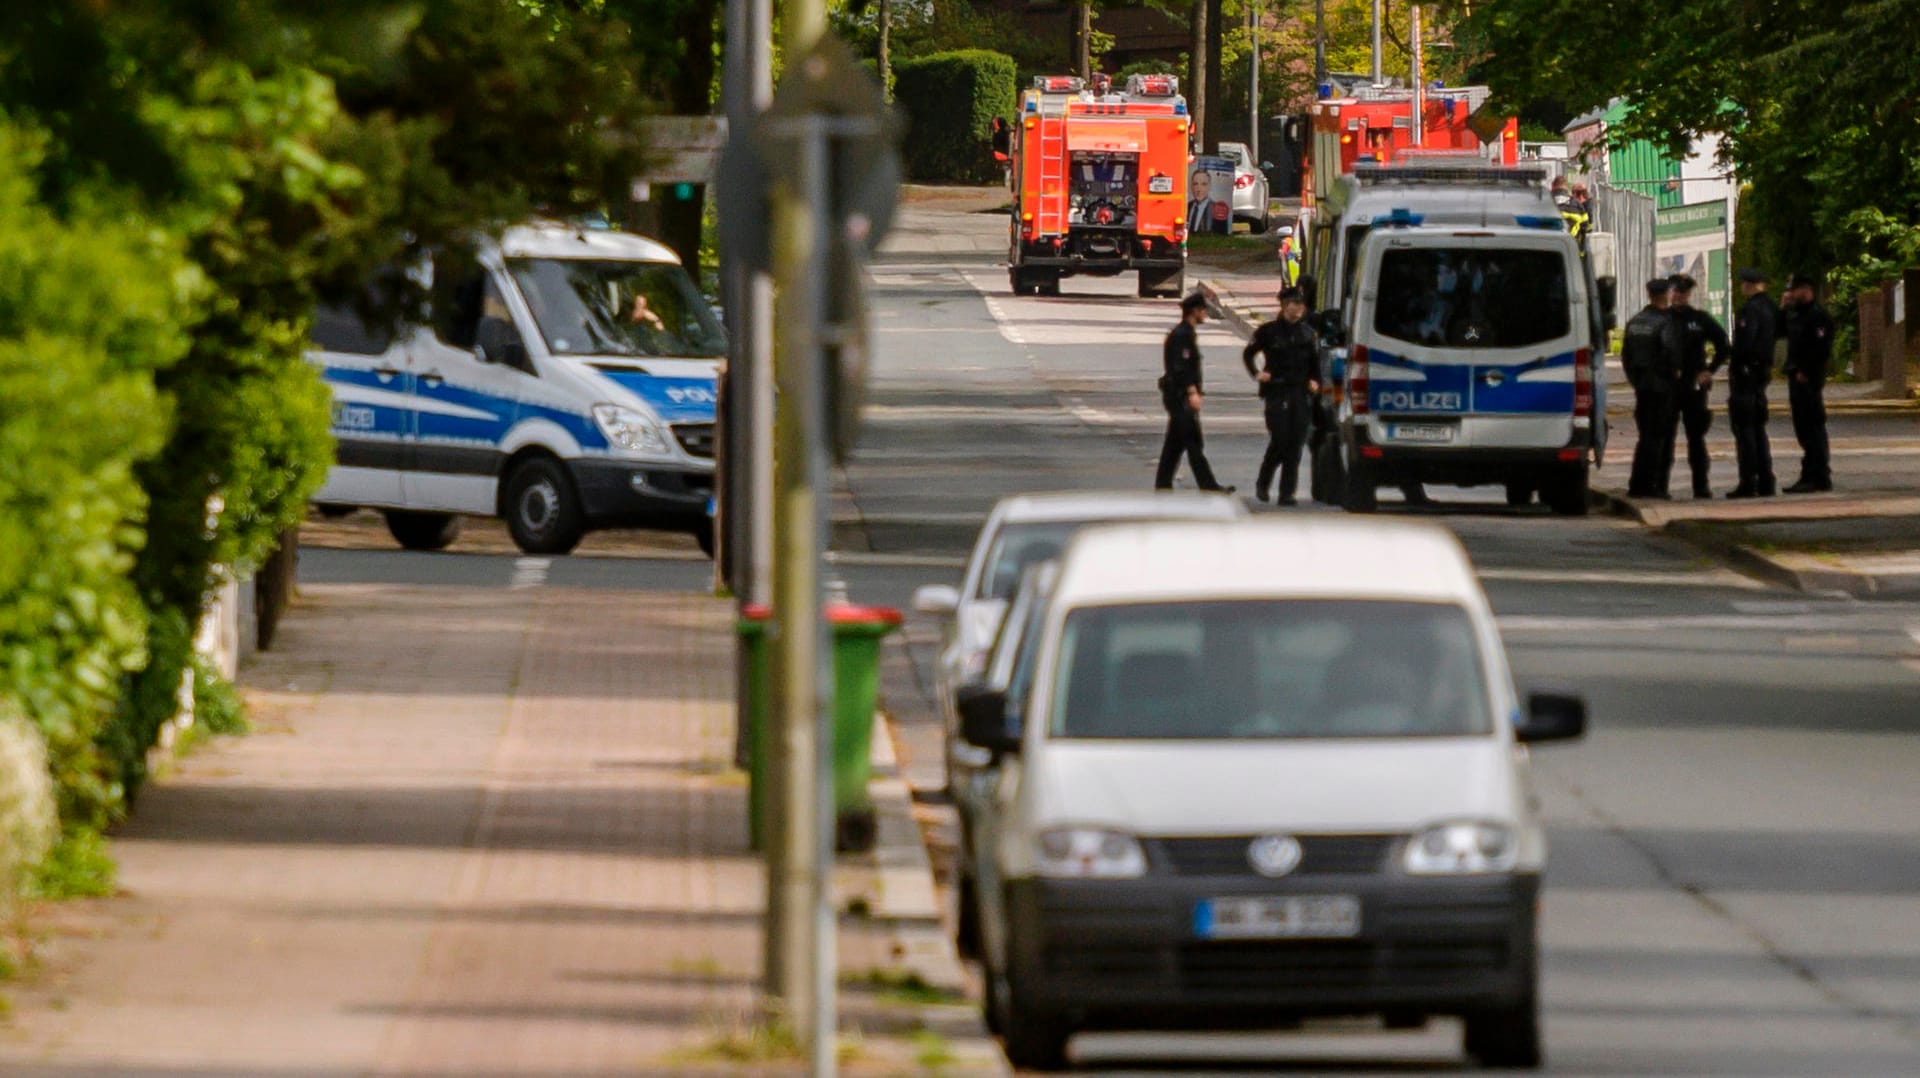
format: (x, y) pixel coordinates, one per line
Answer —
(950, 100)
(91, 308)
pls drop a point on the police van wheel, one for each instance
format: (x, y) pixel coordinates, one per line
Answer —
(541, 508)
(703, 535)
(1260, 224)
(423, 531)
(1361, 494)
(1567, 496)
(1519, 495)
(334, 510)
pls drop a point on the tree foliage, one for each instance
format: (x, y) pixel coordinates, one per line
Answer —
(1816, 102)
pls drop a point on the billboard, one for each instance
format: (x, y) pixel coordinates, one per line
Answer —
(1693, 240)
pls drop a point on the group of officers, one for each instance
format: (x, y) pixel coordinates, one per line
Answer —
(1671, 352)
(1666, 357)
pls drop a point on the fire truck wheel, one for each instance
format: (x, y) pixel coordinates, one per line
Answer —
(1048, 285)
(1023, 284)
(1260, 224)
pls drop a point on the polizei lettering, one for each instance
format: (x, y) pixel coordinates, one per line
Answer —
(1404, 400)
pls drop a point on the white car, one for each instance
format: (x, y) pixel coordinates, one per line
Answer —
(1250, 200)
(1021, 531)
(1241, 788)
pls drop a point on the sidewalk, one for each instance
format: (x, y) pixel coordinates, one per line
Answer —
(1863, 539)
(476, 832)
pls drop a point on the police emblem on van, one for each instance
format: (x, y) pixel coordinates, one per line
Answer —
(1274, 855)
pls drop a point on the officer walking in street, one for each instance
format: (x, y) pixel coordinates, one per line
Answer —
(1288, 380)
(1809, 332)
(1698, 331)
(1755, 329)
(1653, 356)
(1181, 393)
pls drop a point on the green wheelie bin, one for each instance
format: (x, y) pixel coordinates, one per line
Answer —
(857, 632)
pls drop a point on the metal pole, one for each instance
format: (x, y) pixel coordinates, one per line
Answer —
(747, 501)
(1253, 83)
(1378, 81)
(1419, 83)
(799, 933)
(1319, 45)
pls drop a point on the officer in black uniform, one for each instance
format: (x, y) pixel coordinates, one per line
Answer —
(1698, 331)
(1652, 355)
(1755, 330)
(1181, 394)
(1289, 379)
(1809, 332)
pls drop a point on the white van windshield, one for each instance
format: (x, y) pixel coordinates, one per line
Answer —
(1247, 669)
(1472, 297)
(618, 308)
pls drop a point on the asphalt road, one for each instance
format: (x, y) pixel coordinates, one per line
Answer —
(1735, 881)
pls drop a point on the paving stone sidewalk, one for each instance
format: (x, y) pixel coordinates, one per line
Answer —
(476, 832)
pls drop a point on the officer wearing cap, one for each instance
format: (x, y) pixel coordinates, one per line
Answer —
(1755, 329)
(1288, 379)
(1809, 333)
(1652, 355)
(1698, 331)
(1181, 394)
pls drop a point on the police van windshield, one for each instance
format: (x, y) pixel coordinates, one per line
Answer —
(1019, 546)
(618, 308)
(1472, 297)
(1259, 669)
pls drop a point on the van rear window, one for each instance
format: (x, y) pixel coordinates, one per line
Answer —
(1472, 297)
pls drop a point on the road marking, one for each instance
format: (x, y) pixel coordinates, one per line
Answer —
(1807, 623)
(529, 572)
(874, 560)
(1708, 578)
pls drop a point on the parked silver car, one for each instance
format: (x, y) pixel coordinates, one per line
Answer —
(1250, 201)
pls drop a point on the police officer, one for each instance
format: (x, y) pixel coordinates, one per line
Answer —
(1652, 355)
(1698, 331)
(1755, 330)
(1288, 380)
(1809, 331)
(1181, 394)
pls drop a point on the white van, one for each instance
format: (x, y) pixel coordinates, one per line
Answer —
(1241, 790)
(1472, 358)
(564, 381)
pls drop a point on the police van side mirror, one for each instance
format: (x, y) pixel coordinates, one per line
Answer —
(1552, 716)
(983, 718)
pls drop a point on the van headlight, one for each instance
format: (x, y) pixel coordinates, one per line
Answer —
(1463, 848)
(629, 430)
(1089, 853)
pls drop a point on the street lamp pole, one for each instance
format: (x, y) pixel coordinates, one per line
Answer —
(1253, 83)
(1319, 45)
(1378, 80)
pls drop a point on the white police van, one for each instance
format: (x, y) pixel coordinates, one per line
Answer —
(563, 380)
(1472, 358)
(1456, 195)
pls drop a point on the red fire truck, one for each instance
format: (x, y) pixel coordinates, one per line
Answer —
(1376, 124)
(1100, 183)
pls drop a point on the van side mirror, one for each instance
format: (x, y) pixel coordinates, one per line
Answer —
(983, 718)
(1553, 716)
(1609, 290)
(1328, 324)
(936, 599)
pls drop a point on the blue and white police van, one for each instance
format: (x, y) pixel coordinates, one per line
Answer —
(564, 380)
(1460, 412)
(1472, 358)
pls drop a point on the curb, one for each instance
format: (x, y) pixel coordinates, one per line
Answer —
(911, 902)
(1718, 539)
(1242, 320)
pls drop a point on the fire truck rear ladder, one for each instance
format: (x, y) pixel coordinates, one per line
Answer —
(1053, 172)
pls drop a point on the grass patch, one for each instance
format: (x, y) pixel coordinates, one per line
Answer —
(78, 867)
(760, 1042)
(931, 1051)
(1210, 243)
(904, 988)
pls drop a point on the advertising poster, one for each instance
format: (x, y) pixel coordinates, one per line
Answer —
(1210, 196)
(1693, 240)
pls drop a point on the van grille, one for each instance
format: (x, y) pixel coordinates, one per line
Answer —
(695, 438)
(1320, 855)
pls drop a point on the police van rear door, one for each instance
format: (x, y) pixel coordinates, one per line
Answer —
(1473, 337)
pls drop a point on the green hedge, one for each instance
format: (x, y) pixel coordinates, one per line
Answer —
(950, 100)
(92, 306)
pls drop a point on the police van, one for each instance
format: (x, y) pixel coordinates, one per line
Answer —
(564, 379)
(1472, 357)
(1468, 195)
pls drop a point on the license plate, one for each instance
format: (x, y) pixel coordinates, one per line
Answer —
(1292, 917)
(1421, 432)
(1160, 185)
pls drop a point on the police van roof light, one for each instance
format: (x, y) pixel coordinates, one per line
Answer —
(1399, 217)
(1549, 224)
